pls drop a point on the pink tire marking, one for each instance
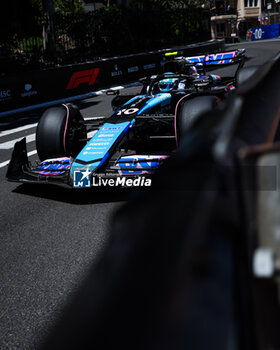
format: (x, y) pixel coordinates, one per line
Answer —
(65, 129)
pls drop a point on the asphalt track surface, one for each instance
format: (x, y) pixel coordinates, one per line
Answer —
(50, 237)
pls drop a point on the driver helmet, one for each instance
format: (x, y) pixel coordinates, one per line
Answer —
(192, 70)
(169, 84)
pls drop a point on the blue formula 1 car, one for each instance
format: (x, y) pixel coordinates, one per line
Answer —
(126, 148)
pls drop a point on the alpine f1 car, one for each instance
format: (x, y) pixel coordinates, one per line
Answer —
(126, 148)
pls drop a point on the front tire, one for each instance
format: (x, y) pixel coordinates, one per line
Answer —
(190, 111)
(60, 132)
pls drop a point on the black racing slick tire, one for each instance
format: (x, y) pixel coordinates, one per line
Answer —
(190, 111)
(245, 73)
(60, 132)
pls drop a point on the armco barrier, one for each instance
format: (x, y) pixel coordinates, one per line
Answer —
(44, 85)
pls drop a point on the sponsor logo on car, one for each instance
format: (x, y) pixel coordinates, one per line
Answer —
(112, 128)
(220, 58)
(105, 135)
(137, 164)
(81, 178)
(82, 77)
(99, 143)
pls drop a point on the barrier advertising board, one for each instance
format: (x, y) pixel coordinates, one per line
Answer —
(264, 32)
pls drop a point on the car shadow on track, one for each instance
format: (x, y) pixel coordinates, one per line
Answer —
(87, 103)
(76, 196)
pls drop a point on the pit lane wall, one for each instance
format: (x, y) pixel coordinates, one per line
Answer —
(29, 88)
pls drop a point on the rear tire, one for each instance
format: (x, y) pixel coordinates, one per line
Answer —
(60, 132)
(191, 110)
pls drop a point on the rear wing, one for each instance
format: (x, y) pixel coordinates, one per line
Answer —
(176, 62)
(218, 58)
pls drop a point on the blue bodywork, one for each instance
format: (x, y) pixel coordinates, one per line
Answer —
(97, 150)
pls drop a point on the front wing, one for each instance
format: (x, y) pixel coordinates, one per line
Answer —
(126, 171)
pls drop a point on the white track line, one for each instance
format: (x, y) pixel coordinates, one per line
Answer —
(29, 154)
(21, 128)
(10, 144)
(29, 138)
(34, 125)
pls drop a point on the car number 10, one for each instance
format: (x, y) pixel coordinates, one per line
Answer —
(128, 111)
